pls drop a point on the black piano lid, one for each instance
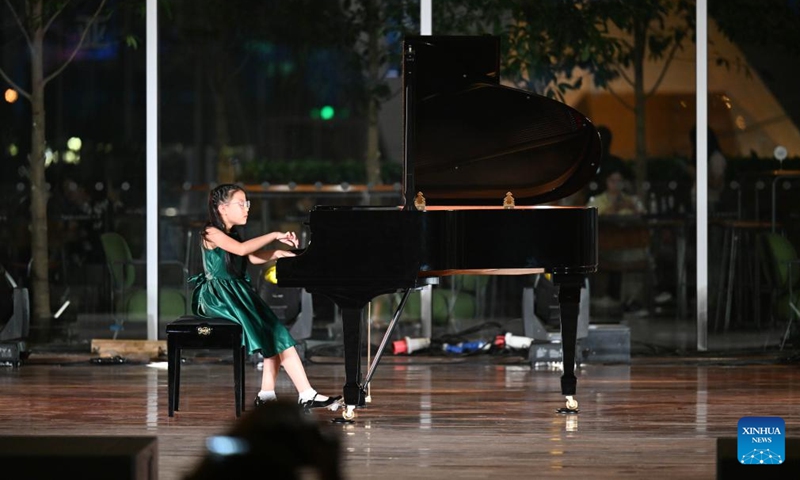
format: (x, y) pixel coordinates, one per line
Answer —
(469, 140)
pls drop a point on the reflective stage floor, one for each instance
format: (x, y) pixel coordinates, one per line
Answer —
(478, 416)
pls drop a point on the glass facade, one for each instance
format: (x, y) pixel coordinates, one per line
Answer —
(303, 106)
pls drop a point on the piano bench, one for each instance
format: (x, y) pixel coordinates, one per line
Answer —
(191, 332)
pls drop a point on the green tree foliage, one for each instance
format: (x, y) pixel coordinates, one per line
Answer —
(551, 46)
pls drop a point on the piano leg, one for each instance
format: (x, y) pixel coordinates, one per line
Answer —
(353, 391)
(569, 295)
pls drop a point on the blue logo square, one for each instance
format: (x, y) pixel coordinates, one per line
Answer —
(761, 441)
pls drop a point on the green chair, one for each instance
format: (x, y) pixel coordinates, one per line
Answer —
(467, 296)
(460, 297)
(383, 307)
(128, 296)
(413, 309)
(781, 268)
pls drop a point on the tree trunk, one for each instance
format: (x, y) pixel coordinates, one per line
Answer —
(640, 99)
(40, 280)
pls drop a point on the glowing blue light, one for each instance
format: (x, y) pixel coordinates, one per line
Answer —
(224, 445)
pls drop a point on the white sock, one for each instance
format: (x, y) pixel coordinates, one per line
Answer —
(267, 395)
(308, 395)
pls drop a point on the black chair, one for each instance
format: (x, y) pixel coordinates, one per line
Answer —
(190, 332)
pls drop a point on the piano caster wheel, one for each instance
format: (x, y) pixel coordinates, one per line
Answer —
(349, 413)
(571, 406)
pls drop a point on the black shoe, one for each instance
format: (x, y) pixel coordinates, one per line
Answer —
(258, 402)
(314, 403)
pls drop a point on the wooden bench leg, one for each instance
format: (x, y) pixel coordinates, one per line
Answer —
(238, 379)
(173, 376)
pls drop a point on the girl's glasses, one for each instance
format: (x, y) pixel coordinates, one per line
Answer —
(243, 205)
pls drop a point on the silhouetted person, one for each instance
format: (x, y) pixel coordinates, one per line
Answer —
(615, 201)
(276, 440)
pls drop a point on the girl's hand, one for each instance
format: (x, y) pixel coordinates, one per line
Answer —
(289, 238)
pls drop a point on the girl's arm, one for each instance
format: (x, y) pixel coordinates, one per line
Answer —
(217, 238)
(263, 256)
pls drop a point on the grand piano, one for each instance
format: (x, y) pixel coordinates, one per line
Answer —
(480, 161)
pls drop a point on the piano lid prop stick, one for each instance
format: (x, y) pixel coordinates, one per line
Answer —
(368, 397)
(386, 336)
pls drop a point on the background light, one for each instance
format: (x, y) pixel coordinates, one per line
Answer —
(11, 95)
(74, 144)
(326, 113)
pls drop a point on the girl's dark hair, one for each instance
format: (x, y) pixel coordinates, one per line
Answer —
(220, 195)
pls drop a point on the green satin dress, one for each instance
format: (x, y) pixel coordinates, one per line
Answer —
(218, 293)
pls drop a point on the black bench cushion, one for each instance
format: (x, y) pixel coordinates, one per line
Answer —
(190, 323)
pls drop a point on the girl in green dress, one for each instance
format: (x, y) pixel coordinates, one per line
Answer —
(224, 291)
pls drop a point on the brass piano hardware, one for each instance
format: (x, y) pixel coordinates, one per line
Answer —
(508, 202)
(419, 202)
(204, 330)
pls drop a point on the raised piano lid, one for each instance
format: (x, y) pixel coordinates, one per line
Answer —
(470, 140)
